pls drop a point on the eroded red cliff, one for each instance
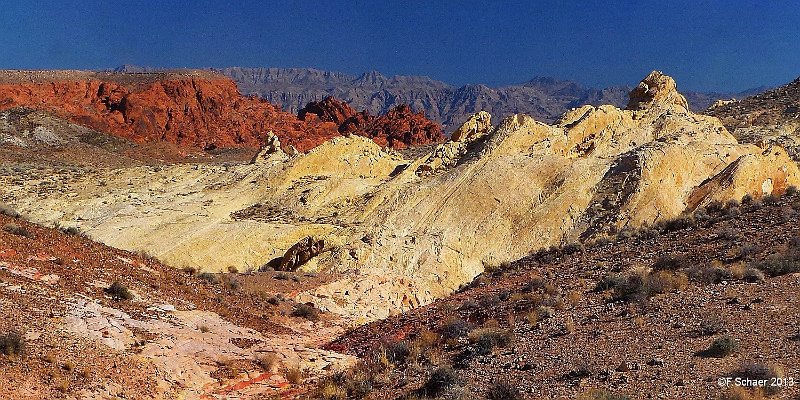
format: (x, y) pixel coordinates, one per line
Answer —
(197, 109)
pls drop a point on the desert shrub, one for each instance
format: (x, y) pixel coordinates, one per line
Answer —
(487, 339)
(733, 211)
(455, 328)
(632, 287)
(740, 393)
(678, 223)
(398, 352)
(544, 312)
(281, 276)
(5, 209)
(231, 282)
(761, 371)
(209, 277)
(747, 251)
(15, 229)
(670, 262)
(71, 230)
(329, 390)
(118, 291)
(12, 344)
(294, 375)
(305, 310)
(602, 394)
(609, 281)
(722, 346)
(715, 207)
(711, 325)
(713, 273)
(503, 391)
(791, 190)
(572, 248)
(770, 199)
(747, 199)
(441, 379)
(780, 263)
(204, 328)
(489, 301)
(666, 281)
(753, 275)
(268, 362)
(730, 234)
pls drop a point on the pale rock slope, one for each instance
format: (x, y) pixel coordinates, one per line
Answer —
(406, 232)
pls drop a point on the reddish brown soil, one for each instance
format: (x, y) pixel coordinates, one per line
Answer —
(590, 335)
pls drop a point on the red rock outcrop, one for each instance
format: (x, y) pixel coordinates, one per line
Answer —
(328, 110)
(398, 128)
(187, 108)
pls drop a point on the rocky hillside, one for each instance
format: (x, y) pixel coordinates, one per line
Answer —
(406, 231)
(545, 99)
(772, 117)
(663, 312)
(82, 320)
(187, 108)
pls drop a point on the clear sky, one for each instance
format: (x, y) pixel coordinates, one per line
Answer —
(706, 45)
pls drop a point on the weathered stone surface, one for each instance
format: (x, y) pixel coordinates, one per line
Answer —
(408, 231)
(476, 126)
(301, 253)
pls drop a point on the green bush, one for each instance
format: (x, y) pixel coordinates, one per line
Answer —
(723, 346)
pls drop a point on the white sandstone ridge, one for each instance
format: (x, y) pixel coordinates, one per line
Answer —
(406, 232)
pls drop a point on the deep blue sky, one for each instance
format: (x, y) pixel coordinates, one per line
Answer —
(706, 45)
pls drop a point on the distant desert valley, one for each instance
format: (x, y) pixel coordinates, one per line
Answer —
(290, 233)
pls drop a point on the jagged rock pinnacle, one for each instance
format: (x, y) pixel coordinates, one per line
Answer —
(656, 89)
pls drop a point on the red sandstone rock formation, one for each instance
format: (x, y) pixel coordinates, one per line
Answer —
(399, 128)
(194, 108)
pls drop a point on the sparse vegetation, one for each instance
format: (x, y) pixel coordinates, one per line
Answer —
(503, 391)
(12, 344)
(602, 394)
(721, 347)
(455, 328)
(118, 291)
(305, 310)
(18, 230)
(486, 339)
(441, 379)
(294, 375)
(6, 210)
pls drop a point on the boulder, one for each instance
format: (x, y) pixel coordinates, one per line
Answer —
(301, 253)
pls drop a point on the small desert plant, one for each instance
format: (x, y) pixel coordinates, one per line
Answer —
(12, 344)
(209, 277)
(268, 362)
(294, 375)
(398, 352)
(760, 371)
(503, 391)
(670, 262)
(5, 209)
(665, 282)
(791, 190)
(118, 291)
(441, 379)
(305, 310)
(455, 328)
(678, 223)
(486, 339)
(753, 275)
(15, 229)
(722, 346)
(770, 199)
(204, 328)
(602, 394)
(747, 198)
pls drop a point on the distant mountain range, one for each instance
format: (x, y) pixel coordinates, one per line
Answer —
(543, 98)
